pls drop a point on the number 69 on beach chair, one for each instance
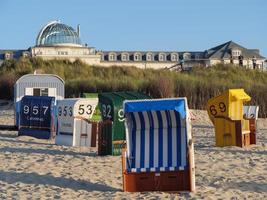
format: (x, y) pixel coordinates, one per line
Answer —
(159, 148)
(233, 126)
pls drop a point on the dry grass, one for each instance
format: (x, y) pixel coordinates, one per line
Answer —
(198, 85)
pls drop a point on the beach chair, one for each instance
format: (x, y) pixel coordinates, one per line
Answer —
(74, 125)
(226, 112)
(111, 128)
(37, 117)
(159, 154)
(251, 113)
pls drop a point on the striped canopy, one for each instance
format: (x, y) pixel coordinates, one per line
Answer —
(156, 134)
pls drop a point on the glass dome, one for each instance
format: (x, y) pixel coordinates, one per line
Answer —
(58, 34)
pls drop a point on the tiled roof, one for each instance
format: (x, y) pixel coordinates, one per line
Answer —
(223, 51)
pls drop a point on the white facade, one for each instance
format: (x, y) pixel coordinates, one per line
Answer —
(60, 41)
(85, 54)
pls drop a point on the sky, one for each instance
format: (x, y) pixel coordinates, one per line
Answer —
(159, 25)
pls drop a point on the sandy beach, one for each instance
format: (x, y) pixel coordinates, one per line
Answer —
(38, 169)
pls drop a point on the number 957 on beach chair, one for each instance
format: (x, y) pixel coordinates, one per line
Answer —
(159, 148)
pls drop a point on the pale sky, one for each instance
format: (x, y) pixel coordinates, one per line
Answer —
(180, 25)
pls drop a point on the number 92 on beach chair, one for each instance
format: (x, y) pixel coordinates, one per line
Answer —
(159, 148)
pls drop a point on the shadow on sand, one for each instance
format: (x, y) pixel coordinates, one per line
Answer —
(234, 150)
(15, 138)
(248, 186)
(8, 134)
(45, 151)
(203, 126)
(62, 182)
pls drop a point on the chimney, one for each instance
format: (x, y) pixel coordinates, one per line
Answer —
(78, 30)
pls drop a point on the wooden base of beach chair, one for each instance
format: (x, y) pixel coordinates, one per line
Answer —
(252, 127)
(104, 139)
(174, 181)
(153, 181)
(242, 137)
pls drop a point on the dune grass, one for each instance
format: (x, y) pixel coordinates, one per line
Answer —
(198, 85)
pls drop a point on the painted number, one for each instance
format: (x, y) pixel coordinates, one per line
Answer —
(222, 108)
(35, 109)
(26, 109)
(85, 109)
(89, 110)
(45, 109)
(121, 115)
(106, 111)
(213, 111)
(81, 109)
(65, 110)
(59, 111)
(251, 116)
(70, 111)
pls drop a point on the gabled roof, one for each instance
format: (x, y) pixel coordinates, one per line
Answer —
(223, 51)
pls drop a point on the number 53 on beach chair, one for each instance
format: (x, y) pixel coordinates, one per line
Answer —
(74, 125)
(159, 148)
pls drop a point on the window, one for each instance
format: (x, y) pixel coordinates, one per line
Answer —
(124, 57)
(161, 57)
(92, 51)
(236, 53)
(7, 56)
(62, 53)
(187, 56)
(40, 91)
(137, 57)
(39, 52)
(25, 54)
(197, 56)
(112, 57)
(174, 57)
(102, 56)
(149, 57)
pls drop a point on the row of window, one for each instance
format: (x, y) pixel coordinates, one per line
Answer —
(236, 52)
(11, 55)
(112, 56)
(62, 53)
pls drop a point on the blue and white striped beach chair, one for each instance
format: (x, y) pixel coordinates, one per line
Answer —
(159, 154)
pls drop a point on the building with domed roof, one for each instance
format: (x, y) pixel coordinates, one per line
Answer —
(59, 41)
(58, 34)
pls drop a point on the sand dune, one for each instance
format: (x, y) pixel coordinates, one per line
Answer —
(38, 169)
